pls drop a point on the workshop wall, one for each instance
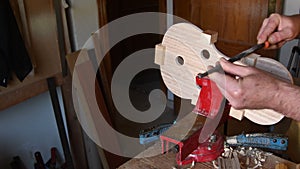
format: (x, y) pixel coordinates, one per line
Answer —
(83, 21)
(30, 126)
(291, 7)
(26, 128)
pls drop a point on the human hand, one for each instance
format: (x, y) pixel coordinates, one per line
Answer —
(254, 89)
(278, 29)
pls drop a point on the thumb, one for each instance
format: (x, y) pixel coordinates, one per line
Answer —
(234, 69)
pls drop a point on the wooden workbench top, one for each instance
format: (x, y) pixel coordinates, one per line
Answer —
(160, 161)
(167, 161)
(152, 158)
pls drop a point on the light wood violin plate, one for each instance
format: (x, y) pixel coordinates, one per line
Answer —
(186, 51)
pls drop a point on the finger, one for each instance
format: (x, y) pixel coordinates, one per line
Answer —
(226, 84)
(276, 46)
(234, 69)
(261, 37)
(279, 36)
(268, 28)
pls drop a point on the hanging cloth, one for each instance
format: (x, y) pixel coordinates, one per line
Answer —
(13, 53)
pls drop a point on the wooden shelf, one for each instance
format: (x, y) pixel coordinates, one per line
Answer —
(37, 22)
(30, 87)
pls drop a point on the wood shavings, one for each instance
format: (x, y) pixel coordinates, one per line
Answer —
(254, 158)
(245, 157)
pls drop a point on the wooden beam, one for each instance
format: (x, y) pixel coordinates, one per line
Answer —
(75, 131)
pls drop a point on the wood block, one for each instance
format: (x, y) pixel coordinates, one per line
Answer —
(237, 114)
(159, 54)
(213, 35)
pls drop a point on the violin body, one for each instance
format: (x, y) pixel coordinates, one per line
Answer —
(186, 51)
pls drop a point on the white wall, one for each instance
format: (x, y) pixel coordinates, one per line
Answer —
(26, 128)
(84, 20)
(30, 126)
(291, 7)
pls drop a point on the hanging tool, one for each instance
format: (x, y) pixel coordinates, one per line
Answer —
(236, 58)
(52, 162)
(39, 161)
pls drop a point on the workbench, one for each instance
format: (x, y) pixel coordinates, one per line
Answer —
(152, 157)
(167, 161)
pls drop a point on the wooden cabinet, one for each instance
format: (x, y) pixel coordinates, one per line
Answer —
(37, 23)
(236, 21)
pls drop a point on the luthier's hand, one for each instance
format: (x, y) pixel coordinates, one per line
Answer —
(253, 88)
(278, 29)
(256, 89)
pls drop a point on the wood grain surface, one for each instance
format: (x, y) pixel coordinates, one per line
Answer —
(186, 51)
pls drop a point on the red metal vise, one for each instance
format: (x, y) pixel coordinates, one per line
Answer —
(210, 98)
(190, 150)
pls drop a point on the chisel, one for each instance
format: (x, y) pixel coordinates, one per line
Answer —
(236, 58)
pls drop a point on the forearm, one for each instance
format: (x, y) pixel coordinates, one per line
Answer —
(288, 101)
(296, 20)
(256, 89)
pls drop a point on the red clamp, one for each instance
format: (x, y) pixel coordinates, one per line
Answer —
(210, 98)
(205, 152)
(190, 150)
